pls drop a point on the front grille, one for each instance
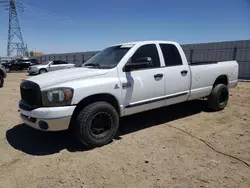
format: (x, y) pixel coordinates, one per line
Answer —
(31, 94)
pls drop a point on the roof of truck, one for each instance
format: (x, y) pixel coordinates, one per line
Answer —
(145, 42)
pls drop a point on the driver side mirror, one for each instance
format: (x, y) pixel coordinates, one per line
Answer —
(138, 63)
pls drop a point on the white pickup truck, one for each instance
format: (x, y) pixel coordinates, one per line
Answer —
(120, 80)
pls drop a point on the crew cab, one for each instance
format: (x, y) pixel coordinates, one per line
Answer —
(118, 81)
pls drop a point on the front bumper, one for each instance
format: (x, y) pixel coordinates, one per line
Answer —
(48, 118)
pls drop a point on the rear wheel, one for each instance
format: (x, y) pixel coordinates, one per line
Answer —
(218, 98)
(97, 124)
(42, 71)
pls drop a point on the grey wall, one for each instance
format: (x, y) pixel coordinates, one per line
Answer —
(216, 51)
(222, 51)
(76, 58)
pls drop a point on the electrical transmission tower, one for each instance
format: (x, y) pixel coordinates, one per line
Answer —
(15, 39)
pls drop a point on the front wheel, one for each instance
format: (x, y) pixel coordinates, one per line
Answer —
(97, 124)
(42, 71)
(1, 81)
(218, 98)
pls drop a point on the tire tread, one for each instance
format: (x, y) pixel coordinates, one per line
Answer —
(82, 118)
(212, 98)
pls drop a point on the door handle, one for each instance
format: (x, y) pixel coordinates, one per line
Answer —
(184, 72)
(126, 85)
(158, 76)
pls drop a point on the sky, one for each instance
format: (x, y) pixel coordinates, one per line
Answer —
(58, 26)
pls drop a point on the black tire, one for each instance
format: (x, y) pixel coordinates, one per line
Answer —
(41, 71)
(218, 98)
(84, 128)
(1, 81)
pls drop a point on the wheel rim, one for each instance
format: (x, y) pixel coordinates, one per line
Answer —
(100, 125)
(223, 97)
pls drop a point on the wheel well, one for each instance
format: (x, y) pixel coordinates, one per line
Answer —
(95, 98)
(221, 80)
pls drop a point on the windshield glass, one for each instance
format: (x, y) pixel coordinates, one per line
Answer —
(45, 62)
(107, 58)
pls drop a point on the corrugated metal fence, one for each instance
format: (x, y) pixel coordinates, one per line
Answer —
(222, 51)
(76, 58)
(217, 51)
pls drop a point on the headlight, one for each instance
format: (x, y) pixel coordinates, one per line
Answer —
(57, 97)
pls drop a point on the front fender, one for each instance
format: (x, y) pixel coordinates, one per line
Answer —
(94, 86)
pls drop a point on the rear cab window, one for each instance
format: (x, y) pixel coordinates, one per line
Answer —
(171, 55)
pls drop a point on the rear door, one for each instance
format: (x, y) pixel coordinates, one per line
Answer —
(64, 65)
(177, 82)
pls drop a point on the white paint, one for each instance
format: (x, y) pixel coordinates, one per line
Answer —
(197, 83)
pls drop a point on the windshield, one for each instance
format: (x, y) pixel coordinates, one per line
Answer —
(108, 58)
(46, 62)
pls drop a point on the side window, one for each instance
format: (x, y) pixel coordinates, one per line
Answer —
(63, 62)
(148, 50)
(171, 55)
(56, 63)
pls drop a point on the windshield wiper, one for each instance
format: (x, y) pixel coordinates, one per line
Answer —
(96, 65)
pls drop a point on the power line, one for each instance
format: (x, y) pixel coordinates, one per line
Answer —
(15, 38)
(45, 14)
(42, 12)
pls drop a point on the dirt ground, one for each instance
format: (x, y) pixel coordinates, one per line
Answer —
(159, 148)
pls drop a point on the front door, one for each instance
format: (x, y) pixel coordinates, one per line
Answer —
(144, 88)
(55, 65)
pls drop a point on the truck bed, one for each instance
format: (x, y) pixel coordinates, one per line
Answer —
(204, 75)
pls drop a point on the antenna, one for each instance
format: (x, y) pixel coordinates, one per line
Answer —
(15, 39)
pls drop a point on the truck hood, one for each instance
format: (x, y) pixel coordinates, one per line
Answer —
(66, 75)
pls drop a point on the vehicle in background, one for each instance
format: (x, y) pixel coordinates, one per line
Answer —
(48, 66)
(2, 75)
(20, 64)
(4, 61)
(121, 80)
(7, 65)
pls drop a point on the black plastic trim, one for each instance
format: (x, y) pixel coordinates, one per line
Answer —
(25, 107)
(156, 100)
(30, 119)
(203, 63)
